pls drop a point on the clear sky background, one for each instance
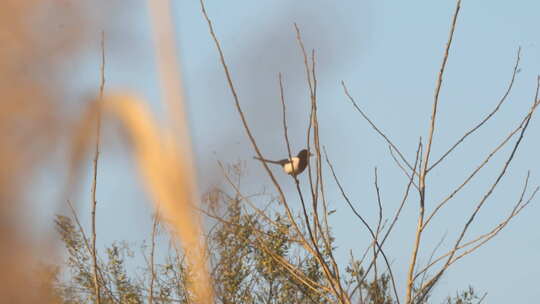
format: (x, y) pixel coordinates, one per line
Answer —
(388, 53)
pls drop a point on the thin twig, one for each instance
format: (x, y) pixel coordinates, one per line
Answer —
(439, 244)
(482, 239)
(404, 199)
(379, 222)
(89, 249)
(344, 195)
(152, 252)
(482, 298)
(477, 169)
(424, 170)
(372, 124)
(333, 277)
(252, 138)
(244, 120)
(94, 181)
(401, 166)
(488, 116)
(523, 122)
(439, 85)
(425, 289)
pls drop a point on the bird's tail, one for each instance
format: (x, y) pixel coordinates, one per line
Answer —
(267, 160)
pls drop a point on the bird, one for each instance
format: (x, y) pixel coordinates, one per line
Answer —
(293, 166)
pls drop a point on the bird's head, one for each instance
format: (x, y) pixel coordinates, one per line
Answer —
(304, 153)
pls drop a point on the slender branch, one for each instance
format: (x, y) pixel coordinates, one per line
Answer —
(89, 249)
(313, 105)
(418, 237)
(379, 222)
(252, 138)
(401, 167)
(425, 289)
(313, 125)
(333, 277)
(498, 228)
(438, 87)
(384, 136)
(482, 239)
(488, 116)
(94, 181)
(344, 195)
(244, 120)
(152, 259)
(424, 170)
(404, 199)
(482, 298)
(478, 168)
(407, 191)
(439, 244)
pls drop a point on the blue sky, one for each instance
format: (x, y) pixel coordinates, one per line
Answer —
(388, 53)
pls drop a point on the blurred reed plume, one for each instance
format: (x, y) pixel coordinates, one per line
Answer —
(37, 39)
(167, 174)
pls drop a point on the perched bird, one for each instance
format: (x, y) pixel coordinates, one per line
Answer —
(293, 166)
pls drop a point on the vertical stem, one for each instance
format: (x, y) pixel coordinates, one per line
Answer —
(152, 251)
(94, 182)
(424, 168)
(419, 229)
(438, 89)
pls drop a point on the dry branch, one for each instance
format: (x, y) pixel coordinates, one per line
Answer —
(95, 172)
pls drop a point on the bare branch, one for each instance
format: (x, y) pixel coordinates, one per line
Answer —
(520, 127)
(94, 180)
(488, 116)
(482, 298)
(482, 239)
(375, 126)
(439, 244)
(313, 123)
(401, 167)
(398, 211)
(237, 100)
(344, 195)
(425, 289)
(152, 260)
(438, 87)
(379, 222)
(244, 120)
(89, 249)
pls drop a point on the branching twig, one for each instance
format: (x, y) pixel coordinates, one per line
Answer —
(375, 126)
(243, 118)
(481, 123)
(311, 78)
(315, 250)
(379, 248)
(404, 199)
(424, 167)
(477, 169)
(401, 167)
(482, 239)
(438, 87)
(425, 289)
